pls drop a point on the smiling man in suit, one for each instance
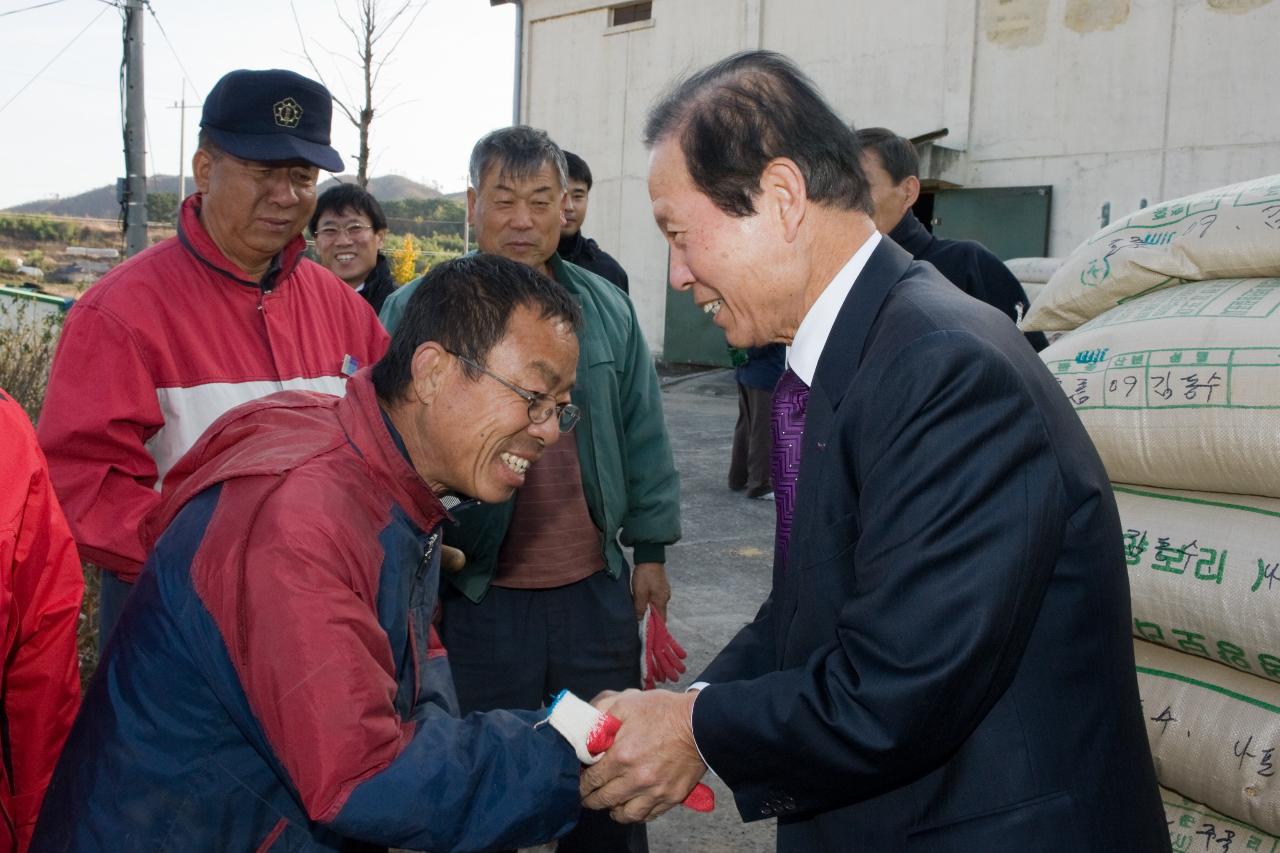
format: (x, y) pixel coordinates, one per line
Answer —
(944, 660)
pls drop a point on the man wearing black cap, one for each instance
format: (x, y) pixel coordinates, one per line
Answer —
(225, 312)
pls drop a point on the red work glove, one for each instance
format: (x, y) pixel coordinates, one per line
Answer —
(591, 732)
(661, 657)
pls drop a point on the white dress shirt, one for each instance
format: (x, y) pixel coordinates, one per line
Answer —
(815, 328)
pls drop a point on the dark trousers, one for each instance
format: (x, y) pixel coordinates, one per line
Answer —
(112, 594)
(752, 442)
(519, 647)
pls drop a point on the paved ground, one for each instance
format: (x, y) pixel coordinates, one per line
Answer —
(719, 576)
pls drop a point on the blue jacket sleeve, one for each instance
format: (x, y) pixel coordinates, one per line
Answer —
(484, 782)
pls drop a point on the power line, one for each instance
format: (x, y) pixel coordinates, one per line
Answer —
(169, 44)
(51, 61)
(29, 8)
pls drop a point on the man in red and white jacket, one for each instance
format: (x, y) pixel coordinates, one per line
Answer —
(40, 591)
(225, 312)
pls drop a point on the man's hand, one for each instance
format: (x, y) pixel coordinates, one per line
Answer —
(649, 586)
(451, 559)
(653, 763)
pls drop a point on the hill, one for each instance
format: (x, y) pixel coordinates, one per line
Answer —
(388, 187)
(100, 203)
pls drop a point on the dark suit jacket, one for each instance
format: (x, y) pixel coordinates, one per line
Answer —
(945, 664)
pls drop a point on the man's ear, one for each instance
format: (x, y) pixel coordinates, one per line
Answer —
(783, 192)
(430, 361)
(201, 165)
(911, 191)
(471, 205)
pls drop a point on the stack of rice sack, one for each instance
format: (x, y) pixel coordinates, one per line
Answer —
(1033, 273)
(1172, 361)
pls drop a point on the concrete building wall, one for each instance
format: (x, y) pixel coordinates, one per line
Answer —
(1108, 101)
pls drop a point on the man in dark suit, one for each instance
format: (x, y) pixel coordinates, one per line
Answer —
(944, 662)
(892, 168)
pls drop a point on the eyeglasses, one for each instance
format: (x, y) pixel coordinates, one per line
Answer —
(541, 406)
(354, 231)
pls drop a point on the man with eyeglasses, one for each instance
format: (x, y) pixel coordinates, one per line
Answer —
(547, 600)
(225, 312)
(278, 688)
(348, 227)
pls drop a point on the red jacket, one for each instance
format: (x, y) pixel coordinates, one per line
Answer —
(163, 345)
(40, 590)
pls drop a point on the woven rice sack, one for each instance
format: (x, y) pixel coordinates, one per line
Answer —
(1181, 388)
(1204, 574)
(1228, 232)
(1193, 826)
(1033, 270)
(1214, 733)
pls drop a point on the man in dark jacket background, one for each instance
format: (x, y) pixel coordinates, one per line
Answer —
(349, 227)
(892, 167)
(575, 248)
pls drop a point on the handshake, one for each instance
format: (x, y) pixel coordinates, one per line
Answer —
(637, 747)
(639, 768)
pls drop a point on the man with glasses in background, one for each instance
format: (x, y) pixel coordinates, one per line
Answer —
(547, 600)
(349, 227)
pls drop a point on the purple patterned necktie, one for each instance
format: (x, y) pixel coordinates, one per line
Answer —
(790, 397)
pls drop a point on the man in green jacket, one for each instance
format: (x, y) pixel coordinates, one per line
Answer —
(547, 600)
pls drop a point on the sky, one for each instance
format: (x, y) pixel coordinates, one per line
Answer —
(447, 83)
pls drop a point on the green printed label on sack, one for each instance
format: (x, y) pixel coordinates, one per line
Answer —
(1190, 218)
(1193, 826)
(1255, 298)
(1217, 377)
(1181, 388)
(1204, 574)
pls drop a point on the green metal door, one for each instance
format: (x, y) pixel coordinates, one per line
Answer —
(691, 337)
(1012, 222)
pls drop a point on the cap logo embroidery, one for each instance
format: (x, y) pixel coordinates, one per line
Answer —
(287, 112)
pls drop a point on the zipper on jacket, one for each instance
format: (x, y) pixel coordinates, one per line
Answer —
(426, 554)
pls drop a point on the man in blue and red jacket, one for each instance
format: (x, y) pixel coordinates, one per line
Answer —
(272, 684)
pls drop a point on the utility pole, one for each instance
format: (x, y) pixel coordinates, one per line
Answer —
(181, 107)
(135, 190)
(466, 220)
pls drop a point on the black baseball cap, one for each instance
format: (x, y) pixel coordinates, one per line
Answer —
(271, 115)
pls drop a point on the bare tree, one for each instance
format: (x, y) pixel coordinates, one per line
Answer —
(368, 30)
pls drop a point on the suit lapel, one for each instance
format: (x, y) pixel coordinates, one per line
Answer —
(842, 355)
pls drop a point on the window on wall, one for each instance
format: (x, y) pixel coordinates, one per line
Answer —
(630, 13)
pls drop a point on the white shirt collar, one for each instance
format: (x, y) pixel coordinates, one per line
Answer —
(815, 328)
